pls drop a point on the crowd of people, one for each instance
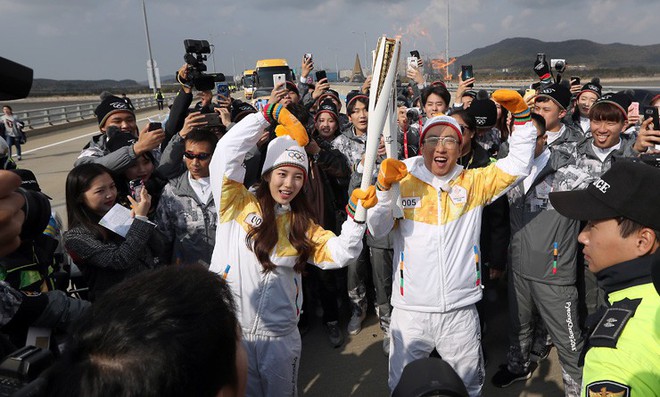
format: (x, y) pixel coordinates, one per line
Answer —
(259, 208)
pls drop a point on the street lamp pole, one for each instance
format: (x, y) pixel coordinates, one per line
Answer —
(212, 52)
(365, 49)
(151, 59)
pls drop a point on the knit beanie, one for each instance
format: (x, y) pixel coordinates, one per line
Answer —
(441, 120)
(327, 106)
(284, 151)
(592, 86)
(484, 110)
(558, 93)
(109, 105)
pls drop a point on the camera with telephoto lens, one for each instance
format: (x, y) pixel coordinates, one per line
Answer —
(413, 115)
(560, 65)
(195, 57)
(21, 372)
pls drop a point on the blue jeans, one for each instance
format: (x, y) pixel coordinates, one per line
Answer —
(14, 141)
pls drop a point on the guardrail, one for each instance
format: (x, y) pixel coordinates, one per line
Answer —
(38, 118)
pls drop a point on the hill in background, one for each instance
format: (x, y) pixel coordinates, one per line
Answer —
(510, 58)
(44, 87)
(518, 54)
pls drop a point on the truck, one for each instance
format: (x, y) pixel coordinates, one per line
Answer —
(248, 83)
(264, 71)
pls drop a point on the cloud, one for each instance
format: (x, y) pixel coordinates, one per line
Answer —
(507, 22)
(478, 27)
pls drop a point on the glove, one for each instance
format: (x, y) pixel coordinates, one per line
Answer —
(542, 69)
(391, 171)
(288, 123)
(367, 197)
(514, 103)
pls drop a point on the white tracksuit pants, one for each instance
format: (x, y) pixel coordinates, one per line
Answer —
(273, 364)
(455, 335)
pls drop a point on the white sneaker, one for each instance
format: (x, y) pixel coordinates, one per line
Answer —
(355, 323)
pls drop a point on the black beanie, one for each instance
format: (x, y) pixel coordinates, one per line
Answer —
(291, 86)
(109, 105)
(240, 109)
(592, 86)
(621, 100)
(327, 106)
(484, 110)
(354, 94)
(560, 94)
(330, 94)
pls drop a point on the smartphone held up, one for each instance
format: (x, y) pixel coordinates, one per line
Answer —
(467, 73)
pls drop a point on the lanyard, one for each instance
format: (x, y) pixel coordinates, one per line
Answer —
(405, 141)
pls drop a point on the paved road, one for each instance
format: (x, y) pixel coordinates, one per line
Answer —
(358, 368)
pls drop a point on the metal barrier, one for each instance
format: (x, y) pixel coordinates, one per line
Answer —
(38, 118)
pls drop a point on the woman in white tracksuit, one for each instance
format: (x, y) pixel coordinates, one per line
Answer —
(263, 241)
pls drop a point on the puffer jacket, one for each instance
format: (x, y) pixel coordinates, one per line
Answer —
(268, 303)
(187, 223)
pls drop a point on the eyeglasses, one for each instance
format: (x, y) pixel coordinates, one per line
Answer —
(200, 156)
(447, 141)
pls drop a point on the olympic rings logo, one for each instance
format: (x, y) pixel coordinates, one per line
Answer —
(119, 105)
(296, 155)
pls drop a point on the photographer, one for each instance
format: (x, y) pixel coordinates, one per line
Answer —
(6, 163)
(114, 112)
(621, 240)
(171, 332)
(19, 311)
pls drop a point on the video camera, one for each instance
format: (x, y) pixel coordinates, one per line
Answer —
(195, 50)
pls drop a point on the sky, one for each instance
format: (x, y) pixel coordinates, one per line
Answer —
(92, 39)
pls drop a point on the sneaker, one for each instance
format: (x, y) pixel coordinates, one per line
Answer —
(355, 323)
(504, 377)
(386, 345)
(20, 158)
(334, 334)
(540, 355)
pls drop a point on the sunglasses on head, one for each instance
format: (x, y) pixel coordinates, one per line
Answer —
(200, 156)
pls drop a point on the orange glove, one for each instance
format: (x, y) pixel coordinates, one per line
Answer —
(391, 171)
(288, 123)
(514, 103)
(367, 198)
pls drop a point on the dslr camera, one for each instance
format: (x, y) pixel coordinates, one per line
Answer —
(196, 51)
(413, 115)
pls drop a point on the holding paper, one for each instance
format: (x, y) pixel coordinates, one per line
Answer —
(118, 219)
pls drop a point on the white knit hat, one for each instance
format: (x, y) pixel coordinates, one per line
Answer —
(283, 151)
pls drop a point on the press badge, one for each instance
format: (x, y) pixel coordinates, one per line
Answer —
(253, 219)
(458, 195)
(411, 202)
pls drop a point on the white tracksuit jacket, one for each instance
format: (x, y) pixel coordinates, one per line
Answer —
(268, 303)
(438, 238)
